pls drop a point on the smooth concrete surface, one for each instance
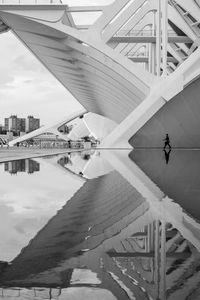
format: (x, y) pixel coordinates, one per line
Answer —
(179, 118)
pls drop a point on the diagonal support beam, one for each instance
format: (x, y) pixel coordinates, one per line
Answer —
(165, 90)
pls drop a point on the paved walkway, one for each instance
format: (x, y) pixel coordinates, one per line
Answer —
(23, 153)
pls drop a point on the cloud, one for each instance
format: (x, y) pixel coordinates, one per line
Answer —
(27, 202)
(26, 87)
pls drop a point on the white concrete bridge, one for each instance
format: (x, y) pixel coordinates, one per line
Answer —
(129, 61)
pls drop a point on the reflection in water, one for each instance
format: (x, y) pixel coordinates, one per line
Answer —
(180, 179)
(109, 237)
(167, 154)
(88, 164)
(23, 165)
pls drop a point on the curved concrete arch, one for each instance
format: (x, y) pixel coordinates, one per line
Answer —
(99, 126)
(105, 71)
(52, 52)
(100, 76)
(168, 89)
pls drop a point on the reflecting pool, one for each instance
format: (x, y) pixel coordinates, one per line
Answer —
(109, 224)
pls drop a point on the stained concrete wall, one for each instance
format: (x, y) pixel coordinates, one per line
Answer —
(180, 118)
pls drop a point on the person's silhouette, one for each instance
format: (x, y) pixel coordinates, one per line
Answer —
(167, 154)
(167, 142)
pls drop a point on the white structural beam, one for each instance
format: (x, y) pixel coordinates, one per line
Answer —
(91, 8)
(158, 38)
(148, 39)
(164, 9)
(165, 90)
(58, 45)
(170, 59)
(131, 8)
(137, 23)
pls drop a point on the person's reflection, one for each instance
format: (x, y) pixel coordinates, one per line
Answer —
(167, 155)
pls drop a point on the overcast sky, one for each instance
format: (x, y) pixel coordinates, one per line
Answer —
(26, 87)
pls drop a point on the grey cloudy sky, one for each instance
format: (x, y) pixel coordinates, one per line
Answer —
(26, 87)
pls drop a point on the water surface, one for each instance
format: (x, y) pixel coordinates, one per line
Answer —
(101, 225)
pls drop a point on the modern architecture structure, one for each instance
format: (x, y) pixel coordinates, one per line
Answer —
(138, 61)
(138, 65)
(129, 244)
(17, 125)
(31, 124)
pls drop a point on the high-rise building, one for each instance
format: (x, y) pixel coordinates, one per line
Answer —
(15, 124)
(32, 124)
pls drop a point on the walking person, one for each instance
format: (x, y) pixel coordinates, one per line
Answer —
(167, 142)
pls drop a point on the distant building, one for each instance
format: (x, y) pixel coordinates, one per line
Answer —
(23, 165)
(2, 129)
(32, 124)
(18, 125)
(15, 124)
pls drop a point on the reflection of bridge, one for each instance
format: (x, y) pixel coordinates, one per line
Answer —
(115, 228)
(92, 57)
(133, 245)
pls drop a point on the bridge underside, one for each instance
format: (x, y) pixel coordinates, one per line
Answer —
(134, 64)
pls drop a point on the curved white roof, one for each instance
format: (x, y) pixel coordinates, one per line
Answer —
(110, 66)
(100, 78)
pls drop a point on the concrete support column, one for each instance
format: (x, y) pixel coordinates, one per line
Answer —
(156, 258)
(147, 55)
(153, 46)
(163, 261)
(158, 37)
(150, 54)
(164, 9)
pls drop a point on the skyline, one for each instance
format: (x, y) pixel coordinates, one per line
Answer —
(25, 78)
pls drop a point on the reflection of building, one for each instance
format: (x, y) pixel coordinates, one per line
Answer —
(32, 166)
(23, 165)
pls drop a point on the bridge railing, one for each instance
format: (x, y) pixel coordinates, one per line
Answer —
(141, 33)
